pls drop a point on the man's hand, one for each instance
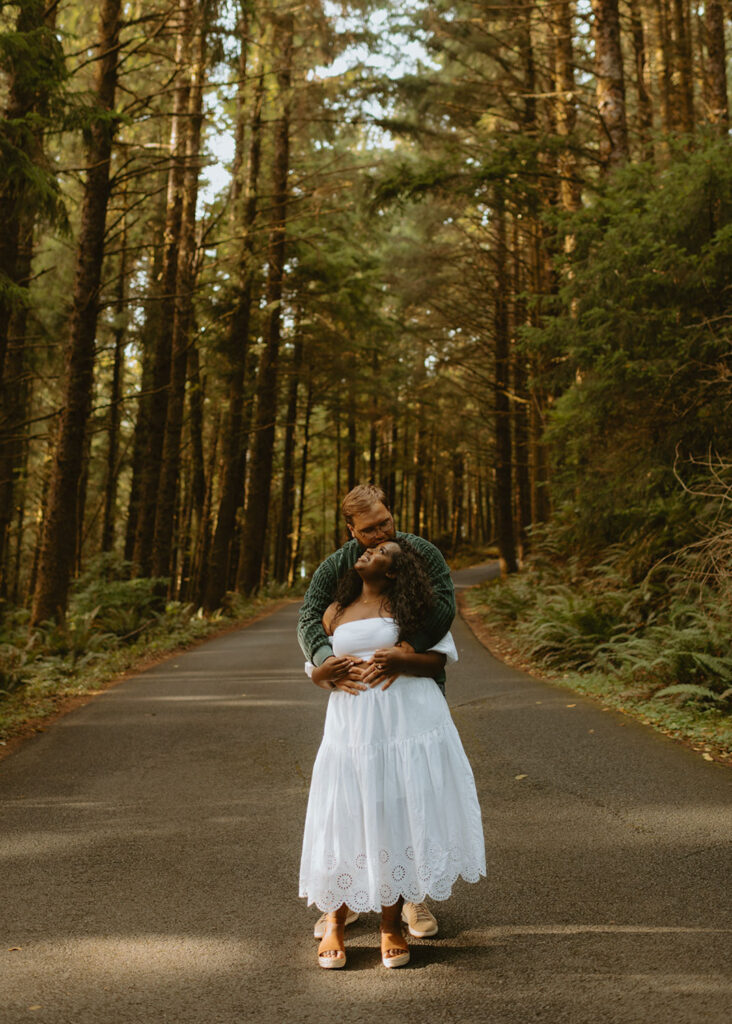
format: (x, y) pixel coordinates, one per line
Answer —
(339, 674)
(386, 664)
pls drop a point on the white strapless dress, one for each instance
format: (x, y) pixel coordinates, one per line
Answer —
(392, 809)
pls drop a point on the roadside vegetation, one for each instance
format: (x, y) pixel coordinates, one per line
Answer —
(626, 589)
(114, 625)
(657, 649)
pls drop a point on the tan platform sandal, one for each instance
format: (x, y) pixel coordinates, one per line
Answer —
(394, 948)
(332, 948)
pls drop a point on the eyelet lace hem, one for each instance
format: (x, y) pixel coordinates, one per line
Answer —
(364, 890)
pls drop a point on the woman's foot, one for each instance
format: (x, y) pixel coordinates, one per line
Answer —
(332, 948)
(394, 948)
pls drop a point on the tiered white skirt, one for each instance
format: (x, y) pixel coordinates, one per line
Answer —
(392, 809)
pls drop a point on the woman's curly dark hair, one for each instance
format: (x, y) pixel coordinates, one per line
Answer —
(409, 594)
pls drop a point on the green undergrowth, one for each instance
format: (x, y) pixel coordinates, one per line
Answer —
(114, 625)
(658, 650)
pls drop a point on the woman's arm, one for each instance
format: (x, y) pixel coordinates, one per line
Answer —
(390, 662)
(335, 673)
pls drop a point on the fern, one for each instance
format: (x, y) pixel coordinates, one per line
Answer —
(689, 690)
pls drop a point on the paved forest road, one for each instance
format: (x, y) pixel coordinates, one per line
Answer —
(150, 841)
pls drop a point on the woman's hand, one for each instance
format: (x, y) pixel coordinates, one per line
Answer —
(339, 674)
(387, 663)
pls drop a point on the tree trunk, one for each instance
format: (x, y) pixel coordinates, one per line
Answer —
(26, 94)
(283, 549)
(664, 62)
(196, 402)
(373, 436)
(145, 399)
(162, 329)
(56, 556)
(520, 402)
(504, 504)
(683, 65)
(297, 556)
(336, 413)
(110, 490)
(458, 498)
(163, 538)
(390, 474)
(21, 500)
(258, 498)
(203, 539)
(645, 107)
(15, 391)
(566, 104)
(351, 413)
(17, 218)
(235, 436)
(610, 87)
(718, 112)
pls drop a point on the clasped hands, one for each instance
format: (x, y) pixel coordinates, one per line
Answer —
(353, 675)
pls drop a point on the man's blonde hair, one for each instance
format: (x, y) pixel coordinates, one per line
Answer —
(361, 499)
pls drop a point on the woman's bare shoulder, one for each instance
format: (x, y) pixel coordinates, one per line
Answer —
(329, 617)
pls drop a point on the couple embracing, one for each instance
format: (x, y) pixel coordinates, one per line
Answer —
(393, 815)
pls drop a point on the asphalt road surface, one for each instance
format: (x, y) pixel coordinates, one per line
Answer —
(150, 841)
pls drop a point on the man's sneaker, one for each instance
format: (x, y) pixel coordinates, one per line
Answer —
(319, 929)
(419, 920)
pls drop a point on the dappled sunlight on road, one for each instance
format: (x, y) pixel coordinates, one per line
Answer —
(499, 931)
(233, 702)
(116, 957)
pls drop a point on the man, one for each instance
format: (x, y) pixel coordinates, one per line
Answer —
(370, 523)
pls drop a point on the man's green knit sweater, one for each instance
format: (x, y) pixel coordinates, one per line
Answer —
(315, 642)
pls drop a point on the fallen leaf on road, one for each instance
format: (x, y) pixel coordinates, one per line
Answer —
(38, 1007)
(571, 705)
(13, 949)
(707, 757)
(519, 777)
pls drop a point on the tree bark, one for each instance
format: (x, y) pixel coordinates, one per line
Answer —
(15, 391)
(57, 554)
(110, 490)
(26, 94)
(718, 111)
(458, 499)
(664, 62)
(283, 547)
(505, 537)
(683, 65)
(258, 498)
(566, 104)
(297, 556)
(235, 436)
(17, 218)
(185, 277)
(610, 87)
(645, 106)
(148, 339)
(162, 328)
(420, 459)
(521, 400)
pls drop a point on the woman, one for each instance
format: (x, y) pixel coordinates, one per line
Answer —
(392, 812)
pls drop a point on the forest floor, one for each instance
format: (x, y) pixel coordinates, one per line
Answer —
(150, 844)
(707, 733)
